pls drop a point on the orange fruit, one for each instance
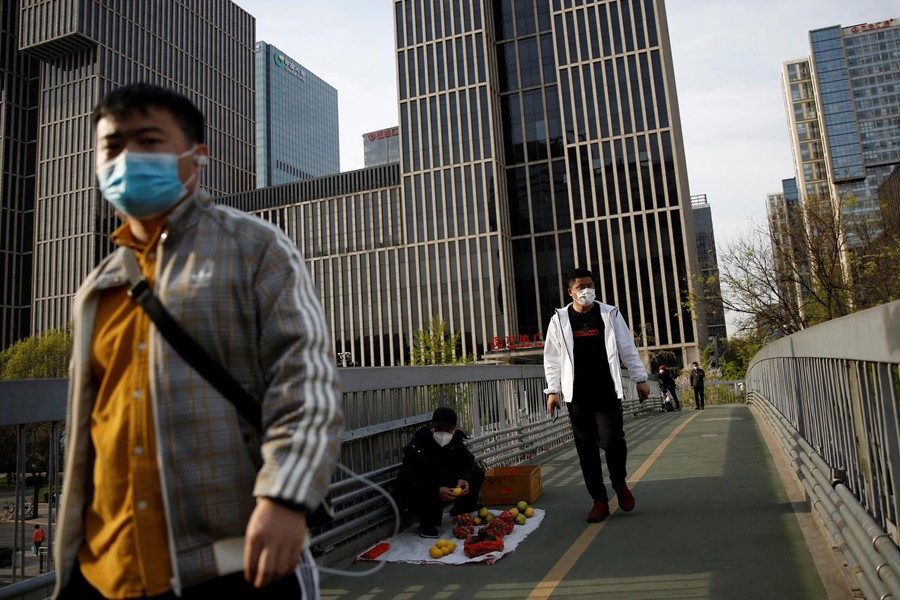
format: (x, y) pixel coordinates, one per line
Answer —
(529, 512)
(435, 552)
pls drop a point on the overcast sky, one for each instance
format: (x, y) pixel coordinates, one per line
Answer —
(727, 56)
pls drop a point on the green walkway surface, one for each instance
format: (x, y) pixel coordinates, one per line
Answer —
(714, 519)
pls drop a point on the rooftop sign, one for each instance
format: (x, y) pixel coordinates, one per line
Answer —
(864, 27)
(383, 133)
(291, 67)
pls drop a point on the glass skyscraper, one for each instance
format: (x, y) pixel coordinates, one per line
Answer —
(82, 50)
(846, 98)
(296, 121)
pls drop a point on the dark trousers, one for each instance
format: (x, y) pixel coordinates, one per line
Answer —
(429, 508)
(231, 586)
(699, 396)
(596, 427)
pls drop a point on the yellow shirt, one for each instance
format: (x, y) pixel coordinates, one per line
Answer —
(125, 553)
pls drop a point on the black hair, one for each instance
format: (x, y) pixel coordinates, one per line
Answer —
(577, 273)
(121, 102)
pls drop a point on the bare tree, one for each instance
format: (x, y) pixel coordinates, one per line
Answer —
(816, 265)
(758, 287)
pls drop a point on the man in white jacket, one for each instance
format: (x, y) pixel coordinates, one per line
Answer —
(586, 343)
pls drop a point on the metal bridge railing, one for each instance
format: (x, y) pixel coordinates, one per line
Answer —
(832, 395)
(503, 408)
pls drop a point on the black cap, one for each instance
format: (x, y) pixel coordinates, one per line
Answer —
(444, 417)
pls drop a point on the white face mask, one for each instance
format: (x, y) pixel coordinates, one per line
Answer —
(442, 438)
(586, 296)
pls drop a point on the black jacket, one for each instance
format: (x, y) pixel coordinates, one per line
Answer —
(667, 381)
(697, 377)
(426, 466)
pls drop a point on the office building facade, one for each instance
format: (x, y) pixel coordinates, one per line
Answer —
(18, 140)
(381, 147)
(296, 121)
(84, 50)
(707, 257)
(536, 137)
(349, 230)
(851, 105)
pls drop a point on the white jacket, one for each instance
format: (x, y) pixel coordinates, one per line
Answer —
(559, 361)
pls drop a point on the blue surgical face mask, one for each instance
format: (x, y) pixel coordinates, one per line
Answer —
(143, 185)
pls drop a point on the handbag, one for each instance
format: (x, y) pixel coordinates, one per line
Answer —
(210, 369)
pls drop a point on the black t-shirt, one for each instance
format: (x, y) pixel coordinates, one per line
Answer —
(593, 381)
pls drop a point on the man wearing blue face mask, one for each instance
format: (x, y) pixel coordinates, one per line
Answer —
(437, 471)
(585, 345)
(164, 478)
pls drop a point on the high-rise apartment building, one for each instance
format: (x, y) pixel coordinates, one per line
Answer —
(843, 108)
(705, 239)
(296, 121)
(807, 145)
(81, 51)
(790, 259)
(381, 147)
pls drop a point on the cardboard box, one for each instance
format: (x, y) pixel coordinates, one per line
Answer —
(508, 485)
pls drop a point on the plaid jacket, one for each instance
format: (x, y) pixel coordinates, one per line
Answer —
(239, 287)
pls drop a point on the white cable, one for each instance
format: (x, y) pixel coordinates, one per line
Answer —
(384, 493)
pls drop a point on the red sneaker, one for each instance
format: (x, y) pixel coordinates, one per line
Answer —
(626, 498)
(599, 512)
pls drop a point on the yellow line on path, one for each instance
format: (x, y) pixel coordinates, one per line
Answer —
(562, 567)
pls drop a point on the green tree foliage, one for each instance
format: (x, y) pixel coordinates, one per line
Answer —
(434, 345)
(38, 357)
(735, 355)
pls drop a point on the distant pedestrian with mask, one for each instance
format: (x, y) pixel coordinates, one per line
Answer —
(698, 375)
(586, 343)
(439, 470)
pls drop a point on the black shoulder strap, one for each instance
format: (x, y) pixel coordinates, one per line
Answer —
(141, 292)
(187, 348)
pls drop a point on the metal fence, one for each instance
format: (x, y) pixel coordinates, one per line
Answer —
(831, 393)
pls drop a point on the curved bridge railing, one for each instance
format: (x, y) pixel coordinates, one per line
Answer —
(831, 394)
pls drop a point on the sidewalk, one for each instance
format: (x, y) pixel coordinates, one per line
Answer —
(713, 521)
(7, 540)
